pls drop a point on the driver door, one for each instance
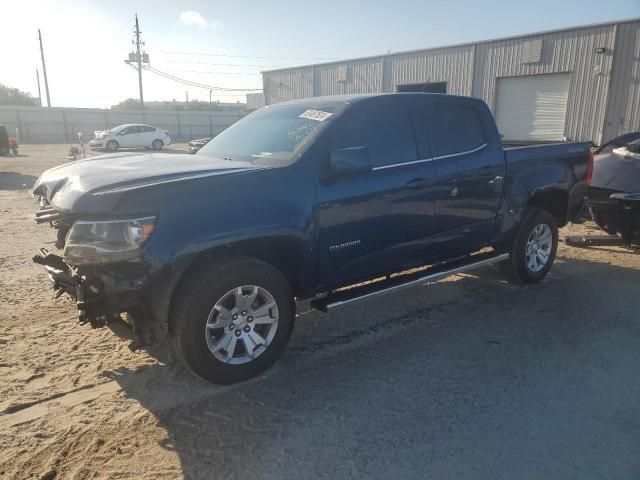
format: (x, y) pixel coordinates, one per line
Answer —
(129, 137)
(376, 221)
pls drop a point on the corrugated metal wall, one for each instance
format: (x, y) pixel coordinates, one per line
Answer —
(623, 111)
(568, 51)
(452, 65)
(286, 85)
(593, 112)
(361, 77)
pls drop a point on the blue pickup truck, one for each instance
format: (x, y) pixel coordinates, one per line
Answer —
(324, 199)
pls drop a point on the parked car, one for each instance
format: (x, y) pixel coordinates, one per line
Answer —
(614, 195)
(8, 144)
(296, 201)
(197, 144)
(130, 136)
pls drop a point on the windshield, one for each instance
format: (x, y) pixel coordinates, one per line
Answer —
(271, 135)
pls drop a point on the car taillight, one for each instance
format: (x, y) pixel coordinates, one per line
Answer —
(590, 169)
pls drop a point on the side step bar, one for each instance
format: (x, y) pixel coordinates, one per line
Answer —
(431, 274)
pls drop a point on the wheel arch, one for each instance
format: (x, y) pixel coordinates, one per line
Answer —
(286, 253)
(554, 200)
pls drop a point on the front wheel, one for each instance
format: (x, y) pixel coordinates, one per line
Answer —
(157, 144)
(111, 146)
(534, 248)
(232, 319)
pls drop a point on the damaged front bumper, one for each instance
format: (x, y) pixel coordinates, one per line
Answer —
(101, 295)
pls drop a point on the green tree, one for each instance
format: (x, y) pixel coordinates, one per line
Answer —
(13, 96)
(128, 104)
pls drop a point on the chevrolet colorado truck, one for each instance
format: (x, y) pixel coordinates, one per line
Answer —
(328, 199)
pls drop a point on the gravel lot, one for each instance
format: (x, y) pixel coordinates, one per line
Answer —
(468, 378)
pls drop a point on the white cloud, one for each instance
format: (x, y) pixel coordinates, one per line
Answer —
(193, 18)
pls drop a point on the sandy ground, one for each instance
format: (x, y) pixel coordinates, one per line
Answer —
(467, 378)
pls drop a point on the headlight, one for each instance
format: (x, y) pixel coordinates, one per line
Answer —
(106, 241)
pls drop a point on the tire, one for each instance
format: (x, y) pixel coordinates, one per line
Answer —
(215, 284)
(519, 267)
(112, 146)
(157, 144)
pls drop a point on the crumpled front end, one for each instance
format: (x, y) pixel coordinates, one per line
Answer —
(101, 291)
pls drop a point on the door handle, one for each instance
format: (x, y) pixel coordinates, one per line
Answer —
(419, 183)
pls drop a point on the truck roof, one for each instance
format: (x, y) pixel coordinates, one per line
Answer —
(358, 97)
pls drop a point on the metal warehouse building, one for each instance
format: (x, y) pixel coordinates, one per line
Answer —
(580, 83)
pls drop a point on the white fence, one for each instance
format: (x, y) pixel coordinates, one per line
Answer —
(60, 125)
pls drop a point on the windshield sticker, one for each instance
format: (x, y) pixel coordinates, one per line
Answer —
(317, 115)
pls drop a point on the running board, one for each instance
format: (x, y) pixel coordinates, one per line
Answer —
(392, 284)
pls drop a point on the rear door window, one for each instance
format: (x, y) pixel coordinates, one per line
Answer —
(454, 129)
(386, 130)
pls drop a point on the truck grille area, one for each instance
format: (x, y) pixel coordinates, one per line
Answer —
(60, 221)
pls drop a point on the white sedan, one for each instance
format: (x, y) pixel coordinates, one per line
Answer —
(130, 136)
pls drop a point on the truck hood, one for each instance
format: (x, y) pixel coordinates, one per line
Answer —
(108, 174)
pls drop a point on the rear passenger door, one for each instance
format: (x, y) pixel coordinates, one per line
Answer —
(378, 221)
(148, 135)
(469, 169)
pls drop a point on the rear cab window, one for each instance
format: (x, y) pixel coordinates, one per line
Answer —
(454, 129)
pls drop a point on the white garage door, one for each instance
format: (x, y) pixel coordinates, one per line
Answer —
(532, 108)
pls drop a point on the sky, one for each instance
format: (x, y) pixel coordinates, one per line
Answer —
(227, 44)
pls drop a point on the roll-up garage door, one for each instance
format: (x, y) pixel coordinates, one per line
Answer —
(532, 108)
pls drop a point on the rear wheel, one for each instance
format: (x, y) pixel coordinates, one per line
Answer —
(232, 319)
(112, 146)
(157, 144)
(534, 248)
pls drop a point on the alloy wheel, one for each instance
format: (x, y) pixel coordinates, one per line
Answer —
(242, 324)
(538, 249)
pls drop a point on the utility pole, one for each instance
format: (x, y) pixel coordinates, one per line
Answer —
(44, 69)
(39, 92)
(139, 59)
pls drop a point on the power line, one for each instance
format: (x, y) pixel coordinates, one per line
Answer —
(218, 73)
(225, 93)
(195, 84)
(121, 31)
(220, 64)
(238, 56)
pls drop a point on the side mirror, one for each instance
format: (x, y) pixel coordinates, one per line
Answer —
(345, 162)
